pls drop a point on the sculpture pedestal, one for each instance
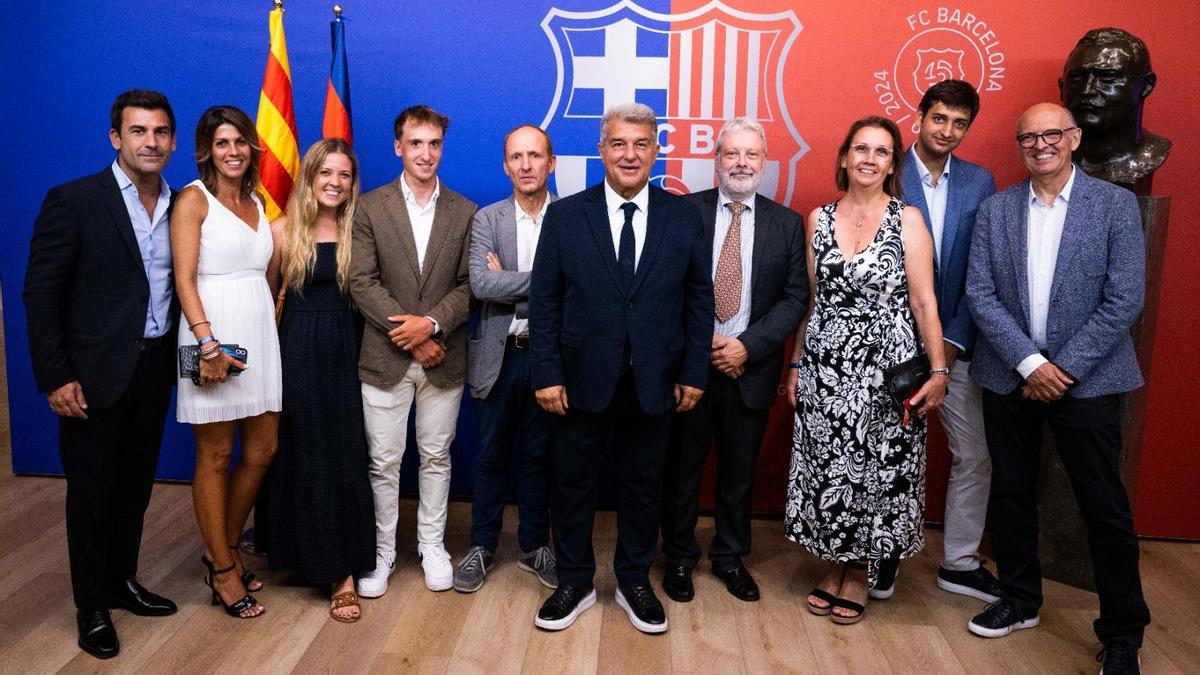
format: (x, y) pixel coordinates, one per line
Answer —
(1062, 538)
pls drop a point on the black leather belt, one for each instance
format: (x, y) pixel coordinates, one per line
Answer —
(150, 343)
(517, 342)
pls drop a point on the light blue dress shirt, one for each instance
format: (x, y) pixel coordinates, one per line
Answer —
(154, 240)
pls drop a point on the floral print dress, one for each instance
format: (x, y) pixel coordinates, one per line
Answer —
(856, 484)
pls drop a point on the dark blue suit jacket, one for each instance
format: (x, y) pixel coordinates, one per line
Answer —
(970, 184)
(580, 317)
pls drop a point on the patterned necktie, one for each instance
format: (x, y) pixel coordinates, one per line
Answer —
(727, 283)
(625, 254)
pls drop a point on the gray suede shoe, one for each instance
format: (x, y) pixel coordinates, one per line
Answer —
(472, 570)
(540, 561)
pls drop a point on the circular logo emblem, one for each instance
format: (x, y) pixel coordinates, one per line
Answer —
(943, 44)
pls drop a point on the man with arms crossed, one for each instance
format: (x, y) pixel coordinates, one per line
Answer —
(504, 237)
(760, 282)
(1056, 279)
(620, 325)
(100, 301)
(408, 276)
(948, 191)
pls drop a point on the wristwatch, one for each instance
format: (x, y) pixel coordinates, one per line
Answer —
(438, 335)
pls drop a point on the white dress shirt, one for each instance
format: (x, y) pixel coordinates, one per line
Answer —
(528, 231)
(737, 323)
(1045, 233)
(421, 217)
(935, 200)
(616, 219)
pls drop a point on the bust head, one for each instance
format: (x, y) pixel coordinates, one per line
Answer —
(1105, 82)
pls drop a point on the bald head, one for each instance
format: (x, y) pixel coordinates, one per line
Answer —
(1046, 137)
(1061, 117)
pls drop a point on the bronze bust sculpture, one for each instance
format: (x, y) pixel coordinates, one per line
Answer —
(1105, 82)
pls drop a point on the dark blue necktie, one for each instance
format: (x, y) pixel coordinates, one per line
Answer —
(625, 254)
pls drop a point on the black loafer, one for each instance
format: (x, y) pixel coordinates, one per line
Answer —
(677, 583)
(133, 597)
(739, 582)
(97, 635)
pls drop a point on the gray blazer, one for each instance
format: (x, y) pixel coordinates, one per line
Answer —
(503, 294)
(1095, 296)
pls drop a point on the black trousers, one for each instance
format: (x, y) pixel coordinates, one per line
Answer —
(738, 431)
(109, 461)
(579, 445)
(1087, 432)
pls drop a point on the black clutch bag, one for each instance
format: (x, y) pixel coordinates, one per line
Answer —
(189, 361)
(905, 379)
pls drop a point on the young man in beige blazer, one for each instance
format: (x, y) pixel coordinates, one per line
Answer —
(408, 276)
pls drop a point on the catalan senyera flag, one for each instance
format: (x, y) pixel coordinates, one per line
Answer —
(336, 121)
(276, 122)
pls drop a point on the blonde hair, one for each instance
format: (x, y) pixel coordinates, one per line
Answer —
(300, 235)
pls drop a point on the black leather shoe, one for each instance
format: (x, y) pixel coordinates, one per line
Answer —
(132, 597)
(739, 582)
(97, 635)
(1119, 658)
(645, 612)
(677, 583)
(564, 606)
(1001, 618)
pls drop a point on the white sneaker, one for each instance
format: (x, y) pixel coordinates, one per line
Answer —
(375, 583)
(435, 561)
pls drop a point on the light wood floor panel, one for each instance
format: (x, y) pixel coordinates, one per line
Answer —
(412, 630)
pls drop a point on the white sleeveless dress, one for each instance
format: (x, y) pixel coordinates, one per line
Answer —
(232, 279)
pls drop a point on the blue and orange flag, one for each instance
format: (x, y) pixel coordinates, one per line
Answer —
(336, 122)
(276, 123)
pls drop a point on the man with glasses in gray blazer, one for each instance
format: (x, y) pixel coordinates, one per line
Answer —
(511, 426)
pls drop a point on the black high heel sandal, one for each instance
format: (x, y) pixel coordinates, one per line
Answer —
(248, 575)
(235, 610)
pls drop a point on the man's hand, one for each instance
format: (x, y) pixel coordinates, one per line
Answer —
(1047, 383)
(68, 400)
(428, 353)
(793, 379)
(686, 397)
(553, 399)
(951, 351)
(493, 262)
(411, 330)
(729, 356)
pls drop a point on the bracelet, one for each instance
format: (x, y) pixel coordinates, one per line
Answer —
(205, 340)
(192, 326)
(795, 364)
(940, 371)
(216, 347)
(209, 356)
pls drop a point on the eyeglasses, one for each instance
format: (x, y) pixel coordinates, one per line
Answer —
(864, 150)
(1051, 136)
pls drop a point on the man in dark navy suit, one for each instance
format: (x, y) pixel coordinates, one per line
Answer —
(620, 326)
(100, 303)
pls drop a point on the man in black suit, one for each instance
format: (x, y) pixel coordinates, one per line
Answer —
(620, 325)
(760, 286)
(100, 303)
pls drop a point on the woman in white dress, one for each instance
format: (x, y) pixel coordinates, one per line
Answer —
(221, 244)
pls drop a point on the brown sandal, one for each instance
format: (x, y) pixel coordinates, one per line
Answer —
(345, 599)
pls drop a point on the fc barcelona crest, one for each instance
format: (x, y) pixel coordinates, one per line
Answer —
(694, 69)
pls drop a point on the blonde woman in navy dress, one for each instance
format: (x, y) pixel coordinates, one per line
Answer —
(222, 246)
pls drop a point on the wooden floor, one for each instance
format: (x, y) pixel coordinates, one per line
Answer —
(410, 629)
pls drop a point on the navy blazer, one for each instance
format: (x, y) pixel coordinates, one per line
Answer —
(86, 291)
(1095, 296)
(778, 291)
(580, 317)
(970, 184)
